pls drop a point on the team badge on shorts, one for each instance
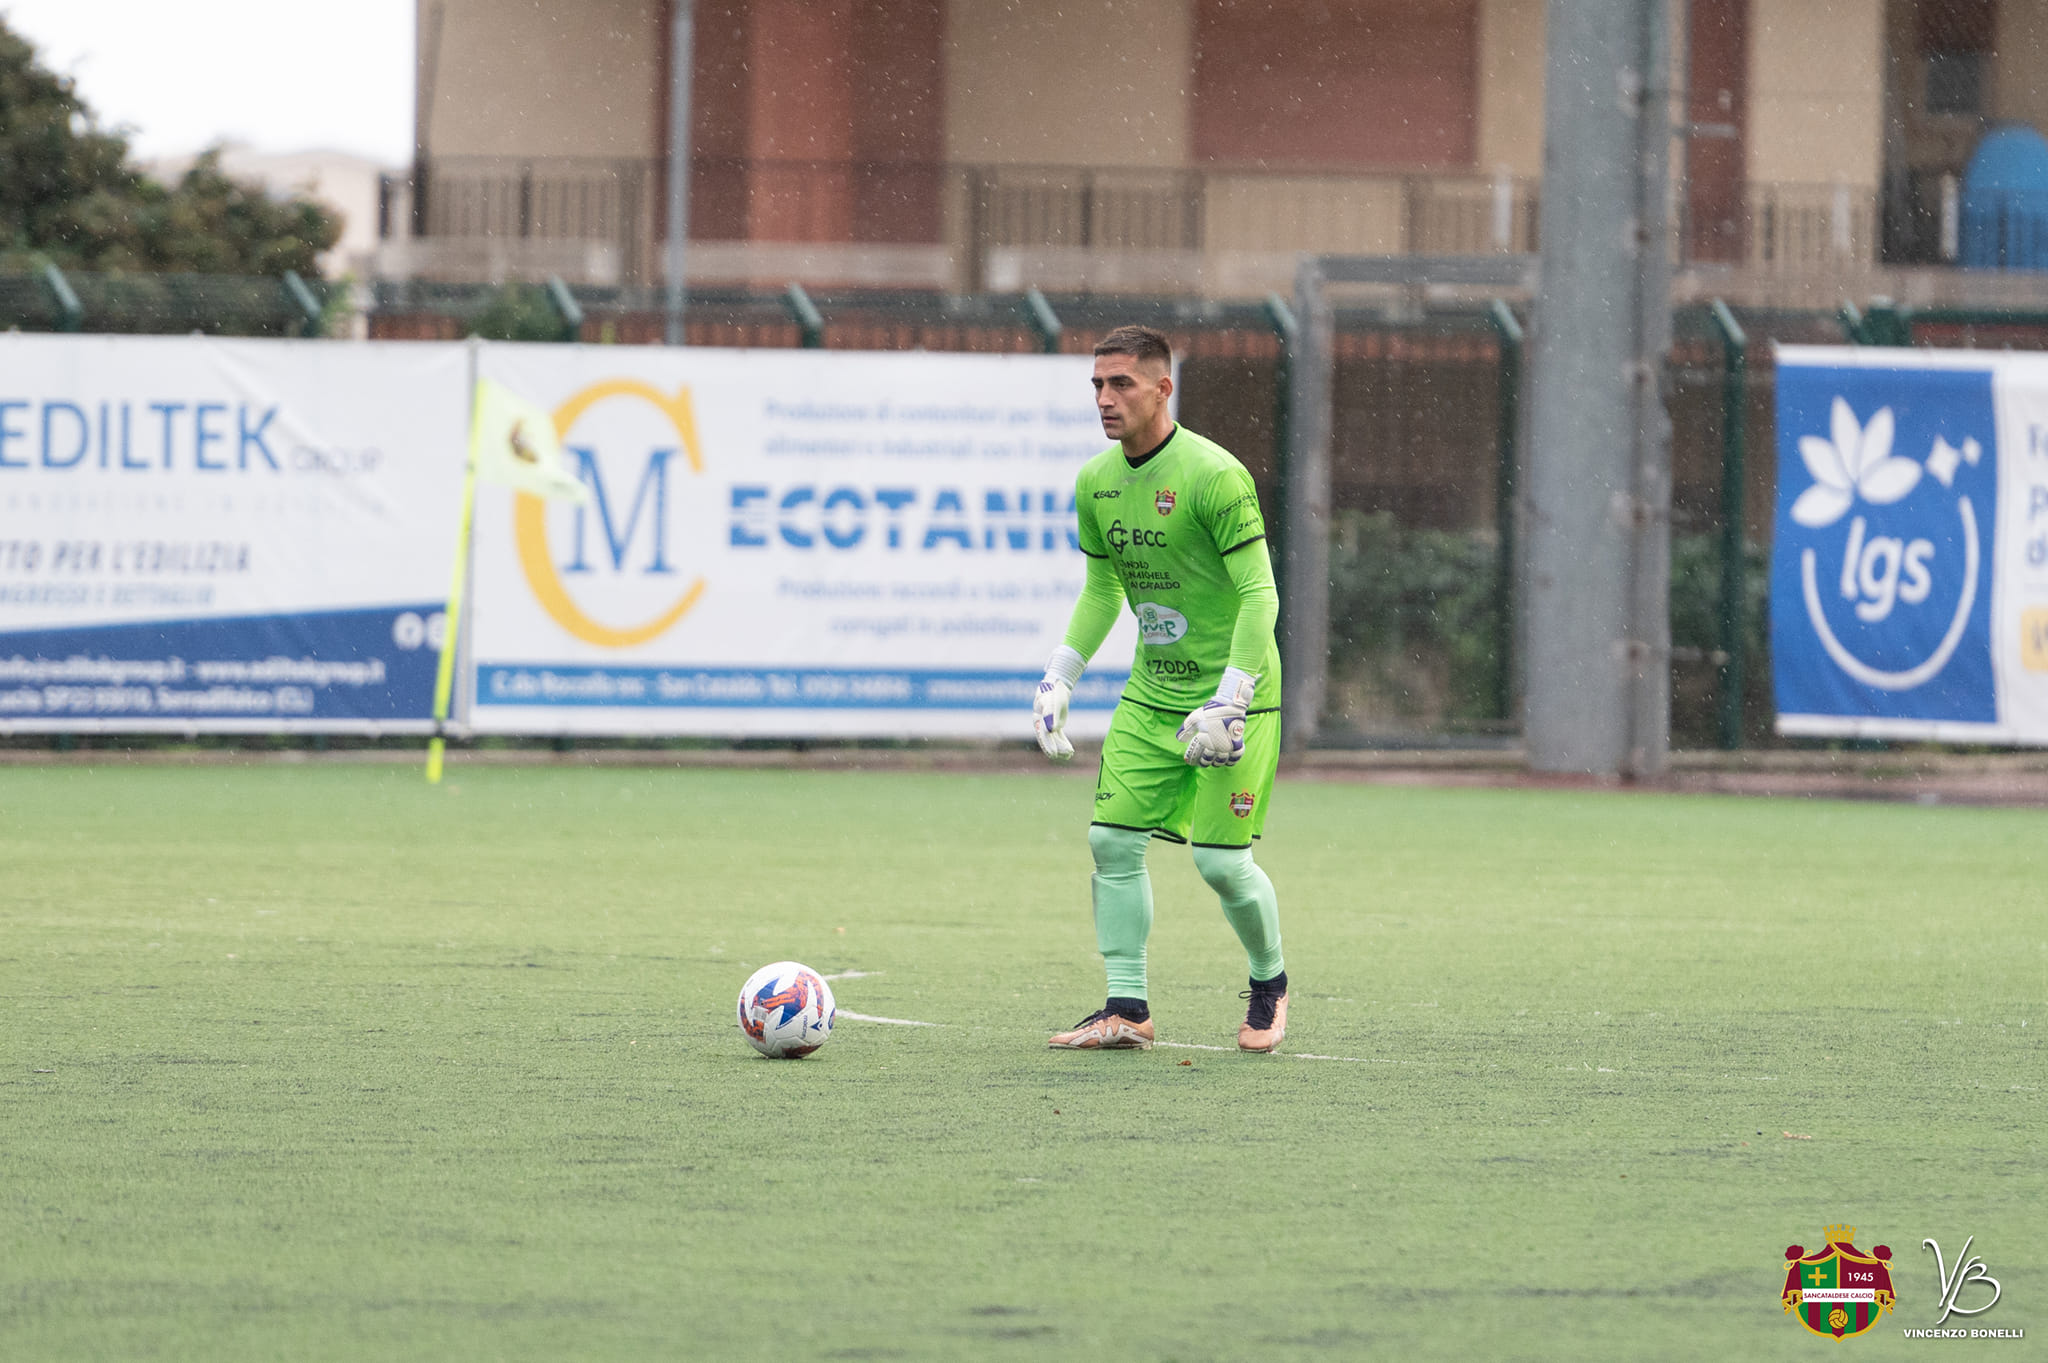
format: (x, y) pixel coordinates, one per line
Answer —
(1242, 802)
(1838, 1290)
(1164, 501)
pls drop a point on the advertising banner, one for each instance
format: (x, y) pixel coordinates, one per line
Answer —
(788, 543)
(1909, 569)
(225, 534)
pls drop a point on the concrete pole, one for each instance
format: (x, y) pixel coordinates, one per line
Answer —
(1598, 507)
(681, 49)
(1305, 511)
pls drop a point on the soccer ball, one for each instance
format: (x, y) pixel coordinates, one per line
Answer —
(786, 1010)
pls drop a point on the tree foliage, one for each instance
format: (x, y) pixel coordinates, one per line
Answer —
(68, 193)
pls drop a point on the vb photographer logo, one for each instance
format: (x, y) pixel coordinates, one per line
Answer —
(1966, 1274)
(1969, 1269)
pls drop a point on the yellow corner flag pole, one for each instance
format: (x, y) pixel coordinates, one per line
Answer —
(444, 675)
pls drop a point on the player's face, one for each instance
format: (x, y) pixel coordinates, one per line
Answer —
(1130, 396)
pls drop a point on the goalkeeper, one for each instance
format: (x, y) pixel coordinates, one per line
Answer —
(1170, 523)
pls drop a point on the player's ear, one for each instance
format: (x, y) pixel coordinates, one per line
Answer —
(1166, 384)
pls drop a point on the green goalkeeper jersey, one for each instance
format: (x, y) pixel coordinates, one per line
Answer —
(1167, 528)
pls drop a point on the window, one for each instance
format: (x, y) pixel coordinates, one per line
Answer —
(1955, 83)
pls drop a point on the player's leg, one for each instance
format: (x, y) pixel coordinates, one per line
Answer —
(1230, 812)
(1121, 890)
(1137, 787)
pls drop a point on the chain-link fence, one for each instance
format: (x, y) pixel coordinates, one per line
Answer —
(1421, 634)
(173, 304)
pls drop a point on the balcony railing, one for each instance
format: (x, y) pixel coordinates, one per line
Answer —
(968, 228)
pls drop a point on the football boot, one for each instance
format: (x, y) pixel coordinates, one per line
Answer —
(1105, 1030)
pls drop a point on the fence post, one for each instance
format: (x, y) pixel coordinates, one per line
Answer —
(304, 303)
(1734, 596)
(1887, 324)
(566, 308)
(70, 312)
(809, 320)
(1850, 321)
(1281, 318)
(1507, 445)
(1043, 320)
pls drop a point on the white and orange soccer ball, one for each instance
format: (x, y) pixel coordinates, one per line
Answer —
(786, 1010)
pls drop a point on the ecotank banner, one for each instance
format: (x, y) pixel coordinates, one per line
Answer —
(224, 534)
(788, 543)
(1909, 572)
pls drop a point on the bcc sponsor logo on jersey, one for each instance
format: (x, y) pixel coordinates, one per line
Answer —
(1122, 537)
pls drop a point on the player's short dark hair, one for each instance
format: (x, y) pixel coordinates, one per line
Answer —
(1140, 343)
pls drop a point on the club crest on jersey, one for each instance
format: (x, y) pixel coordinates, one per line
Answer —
(1164, 501)
(1242, 802)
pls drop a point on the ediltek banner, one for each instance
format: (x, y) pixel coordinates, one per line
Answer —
(224, 534)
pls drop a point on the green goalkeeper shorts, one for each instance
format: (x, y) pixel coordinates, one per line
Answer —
(1145, 783)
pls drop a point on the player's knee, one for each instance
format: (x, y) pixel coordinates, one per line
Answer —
(1118, 851)
(1227, 869)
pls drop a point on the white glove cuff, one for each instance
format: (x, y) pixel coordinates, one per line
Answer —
(1233, 678)
(1065, 665)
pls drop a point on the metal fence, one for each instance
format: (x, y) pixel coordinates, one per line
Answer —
(1418, 459)
(224, 305)
(970, 227)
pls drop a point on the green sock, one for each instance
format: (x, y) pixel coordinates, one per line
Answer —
(1248, 902)
(1123, 906)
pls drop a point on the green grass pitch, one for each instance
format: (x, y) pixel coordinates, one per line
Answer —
(318, 1063)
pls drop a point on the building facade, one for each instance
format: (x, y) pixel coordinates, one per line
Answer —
(1189, 146)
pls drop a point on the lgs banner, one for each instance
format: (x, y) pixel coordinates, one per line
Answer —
(1909, 570)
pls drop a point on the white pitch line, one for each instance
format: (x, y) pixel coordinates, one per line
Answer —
(853, 975)
(1289, 1055)
(893, 1022)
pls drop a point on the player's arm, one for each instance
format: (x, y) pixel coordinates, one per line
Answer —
(1214, 730)
(1095, 612)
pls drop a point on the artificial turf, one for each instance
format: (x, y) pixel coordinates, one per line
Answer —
(309, 1062)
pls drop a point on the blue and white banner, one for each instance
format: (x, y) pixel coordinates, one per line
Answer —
(225, 534)
(1909, 568)
(788, 543)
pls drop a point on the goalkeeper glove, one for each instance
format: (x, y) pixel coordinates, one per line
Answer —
(1049, 709)
(1214, 732)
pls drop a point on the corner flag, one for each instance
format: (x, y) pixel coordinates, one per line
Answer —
(514, 442)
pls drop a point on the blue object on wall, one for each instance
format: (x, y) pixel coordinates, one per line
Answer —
(2005, 202)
